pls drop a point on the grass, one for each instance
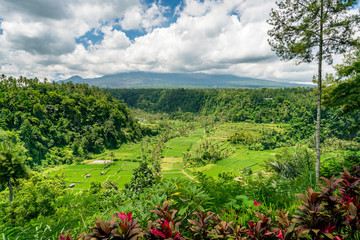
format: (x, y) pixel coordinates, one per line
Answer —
(120, 171)
(128, 156)
(169, 175)
(129, 151)
(177, 146)
(226, 129)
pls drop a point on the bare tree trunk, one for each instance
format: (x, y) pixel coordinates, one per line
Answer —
(10, 190)
(318, 115)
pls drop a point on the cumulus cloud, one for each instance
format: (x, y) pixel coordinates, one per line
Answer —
(37, 8)
(140, 17)
(50, 27)
(40, 38)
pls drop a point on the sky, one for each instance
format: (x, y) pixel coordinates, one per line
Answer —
(91, 38)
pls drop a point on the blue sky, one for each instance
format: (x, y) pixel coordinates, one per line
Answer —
(169, 13)
(58, 39)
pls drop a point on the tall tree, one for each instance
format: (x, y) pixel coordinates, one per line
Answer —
(12, 160)
(313, 30)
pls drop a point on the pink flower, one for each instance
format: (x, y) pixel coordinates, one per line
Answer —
(158, 233)
(167, 229)
(167, 232)
(328, 229)
(62, 237)
(280, 235)
(124, 217)
(346, 181)
(257, 203)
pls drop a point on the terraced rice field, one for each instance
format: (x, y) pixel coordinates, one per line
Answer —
(119, 171)
(129, 155)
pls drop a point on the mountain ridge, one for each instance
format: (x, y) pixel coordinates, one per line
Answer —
(179, 80)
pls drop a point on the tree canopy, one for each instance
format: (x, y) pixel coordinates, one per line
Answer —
(12, 160)
(313, 30)
(344, 91)
(50, 116)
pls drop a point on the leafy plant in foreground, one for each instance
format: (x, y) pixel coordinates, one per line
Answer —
(333, 213)
(165, 227)
(201, 227)
(128, 229)
(68, 237)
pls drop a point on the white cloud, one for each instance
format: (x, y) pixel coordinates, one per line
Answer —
(213, 36)
(140, 17)
(132, 19)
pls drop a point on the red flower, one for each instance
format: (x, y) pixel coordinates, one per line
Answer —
(167, 232)
(251, 226)
(158, 233)
(62, 237)
(124, 217)
(251, 233)
(328, 229)
(257, 203)
(280, 235)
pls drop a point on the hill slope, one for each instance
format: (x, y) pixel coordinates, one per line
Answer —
(77, 117)
(178, 80)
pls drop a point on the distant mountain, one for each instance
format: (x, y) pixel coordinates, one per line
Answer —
(179, 80)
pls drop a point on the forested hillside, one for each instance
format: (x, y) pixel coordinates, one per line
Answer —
(49, 117)
(295, 106)
(230, 157)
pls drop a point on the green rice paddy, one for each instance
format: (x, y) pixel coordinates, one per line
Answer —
(128, 157)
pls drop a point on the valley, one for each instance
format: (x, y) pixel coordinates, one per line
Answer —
(73, 156)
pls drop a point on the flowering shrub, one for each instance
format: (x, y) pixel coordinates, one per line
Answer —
(166, 226)
(62, 237)
(168, 231)
(333, 213)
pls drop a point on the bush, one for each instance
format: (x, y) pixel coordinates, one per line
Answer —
(332, 213)
(143, 177)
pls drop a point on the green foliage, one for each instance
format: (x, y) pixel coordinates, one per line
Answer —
(227, 176)
(34, 197)
(302, 27)
(12, 160)
(143, 177)
(159, 100)
(343, 91)
(258, 105)
(220, 191)
(224, 205)
(342, 94)
(332, 213)
(243, 137)
(263, 140)
(295, 106)
(335, 165)
(206, 152)
(49, 115)
(313, 30)
(292, 164)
